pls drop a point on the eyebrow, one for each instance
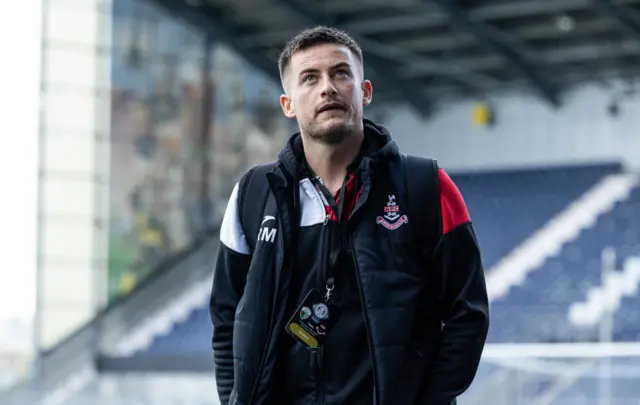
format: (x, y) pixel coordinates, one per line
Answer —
(334, 67)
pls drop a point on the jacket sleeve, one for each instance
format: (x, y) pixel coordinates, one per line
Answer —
(229, 280)
(464, 302)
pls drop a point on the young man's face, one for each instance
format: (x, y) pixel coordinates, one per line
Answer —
(326, 92)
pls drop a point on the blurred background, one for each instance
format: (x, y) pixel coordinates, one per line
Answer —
(128, 122)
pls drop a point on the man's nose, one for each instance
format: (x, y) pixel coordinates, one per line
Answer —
(328, 89)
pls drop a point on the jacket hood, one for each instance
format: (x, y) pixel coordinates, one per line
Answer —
(377, 146)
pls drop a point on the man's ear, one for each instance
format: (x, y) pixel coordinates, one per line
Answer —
(367, 92)
(287, 106)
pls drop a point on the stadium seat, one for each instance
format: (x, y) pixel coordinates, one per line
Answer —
(508, 206)
(537, 309)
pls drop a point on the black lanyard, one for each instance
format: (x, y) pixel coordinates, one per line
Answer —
(336, 242)
(336, 207)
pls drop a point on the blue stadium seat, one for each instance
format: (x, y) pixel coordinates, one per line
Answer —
(537, 310)
(508, 206)
(191, 337)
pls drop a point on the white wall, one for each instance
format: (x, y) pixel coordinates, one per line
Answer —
(74, 165)
(20, 38)
(527, 132)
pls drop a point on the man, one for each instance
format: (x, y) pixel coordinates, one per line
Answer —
(326, 300)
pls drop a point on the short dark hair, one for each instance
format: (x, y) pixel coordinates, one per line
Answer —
(311, 37)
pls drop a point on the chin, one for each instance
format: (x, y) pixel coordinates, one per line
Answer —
(335, 124)
(332, 132)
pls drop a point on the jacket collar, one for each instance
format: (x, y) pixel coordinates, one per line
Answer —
(377, 146)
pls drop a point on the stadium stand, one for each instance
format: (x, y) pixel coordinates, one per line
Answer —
(538, 309)
(627, 318)
(190, 336)
(507, 206)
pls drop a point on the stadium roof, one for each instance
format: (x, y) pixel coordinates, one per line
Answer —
(423, 51)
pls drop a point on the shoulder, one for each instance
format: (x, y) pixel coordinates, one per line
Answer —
(452, 204)
(232, 233)
(263, 169)
(257, 172)
(251, 182)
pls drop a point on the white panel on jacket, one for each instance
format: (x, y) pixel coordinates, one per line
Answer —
(231, 234)
(311, 204)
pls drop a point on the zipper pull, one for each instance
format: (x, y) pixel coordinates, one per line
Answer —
(326, 219)
(329, 287)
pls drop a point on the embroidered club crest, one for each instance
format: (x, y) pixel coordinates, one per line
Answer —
(392, 219)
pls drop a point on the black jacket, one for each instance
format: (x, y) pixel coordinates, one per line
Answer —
(426, 322)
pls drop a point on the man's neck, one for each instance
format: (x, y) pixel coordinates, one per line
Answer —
(330, 162)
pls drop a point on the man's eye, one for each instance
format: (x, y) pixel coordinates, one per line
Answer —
(342, 72)
(309, 77)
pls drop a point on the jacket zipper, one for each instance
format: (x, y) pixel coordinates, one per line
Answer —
(320, 354)
(321, 387)
(366, 322)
